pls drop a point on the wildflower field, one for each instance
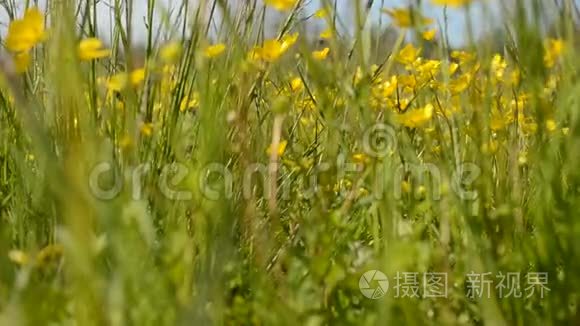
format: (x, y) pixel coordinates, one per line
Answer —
(289, 162)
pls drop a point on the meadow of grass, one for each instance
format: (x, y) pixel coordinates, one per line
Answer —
(234, 170)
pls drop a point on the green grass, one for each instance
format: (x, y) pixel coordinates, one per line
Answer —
(209, 227)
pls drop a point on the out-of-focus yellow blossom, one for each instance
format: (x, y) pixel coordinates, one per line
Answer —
(490, 147)
(91, 49)
(408, 54)
(170, 52)
(118, 82)
(321, 13)
(529, 126)
(280, 150)
(147, 129)
(296, 84)
(429, 35)
(326, 34)
(25, 33)
(428, 68)
(137, 76)
(272, 50)
(188, 103)
(551, 125)
(321, 55)
(282, 5)
(215, 50)
(18, 257)
(462, 56)
(498, 66)
(405, 17)
(452, 3)
(553, 51)
(453, 68)
(388, 87)
(360, 158)
(121, 80)
(416, 118)
(523, 158)
(125, 142)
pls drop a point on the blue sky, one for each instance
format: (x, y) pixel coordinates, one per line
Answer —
(484, 14)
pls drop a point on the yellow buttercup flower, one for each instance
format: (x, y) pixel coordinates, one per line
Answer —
(282, 5)
(18, 257)
(170, 52)
(417, 118)
(189, 103)
(272, 50)
(147, 129)
(321, 13)
(429, 35)
(280, 150)
(321, 55)
(408, 54)
(326, 34)
(91, 49)
(137, 76)
(498, 66)
(551, 125)
(296, 84)
(553, 51)
(213, 51)
(406, 18)
(117, 82)
(25, 33)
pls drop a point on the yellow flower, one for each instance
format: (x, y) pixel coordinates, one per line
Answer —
(147, 129)
(321, 13)
(282, 5)
(125, 141)
(416, 118)
(321, 55)
(22, 61)
(404, 17)
(91, 49)
(551, 125)
(137, 76)
(281, 148)
(170, 52)
(18, 257)
(360, 158)
(296, 84)
(460, 84)
(213, 51)
(25, 33)
(429, 35)
(326, 34)
(188, 103)
(408, 54)
(553, 51)
(118, 82)
(462, 56)
(272, 50)
(498, 66)
(452, 3)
